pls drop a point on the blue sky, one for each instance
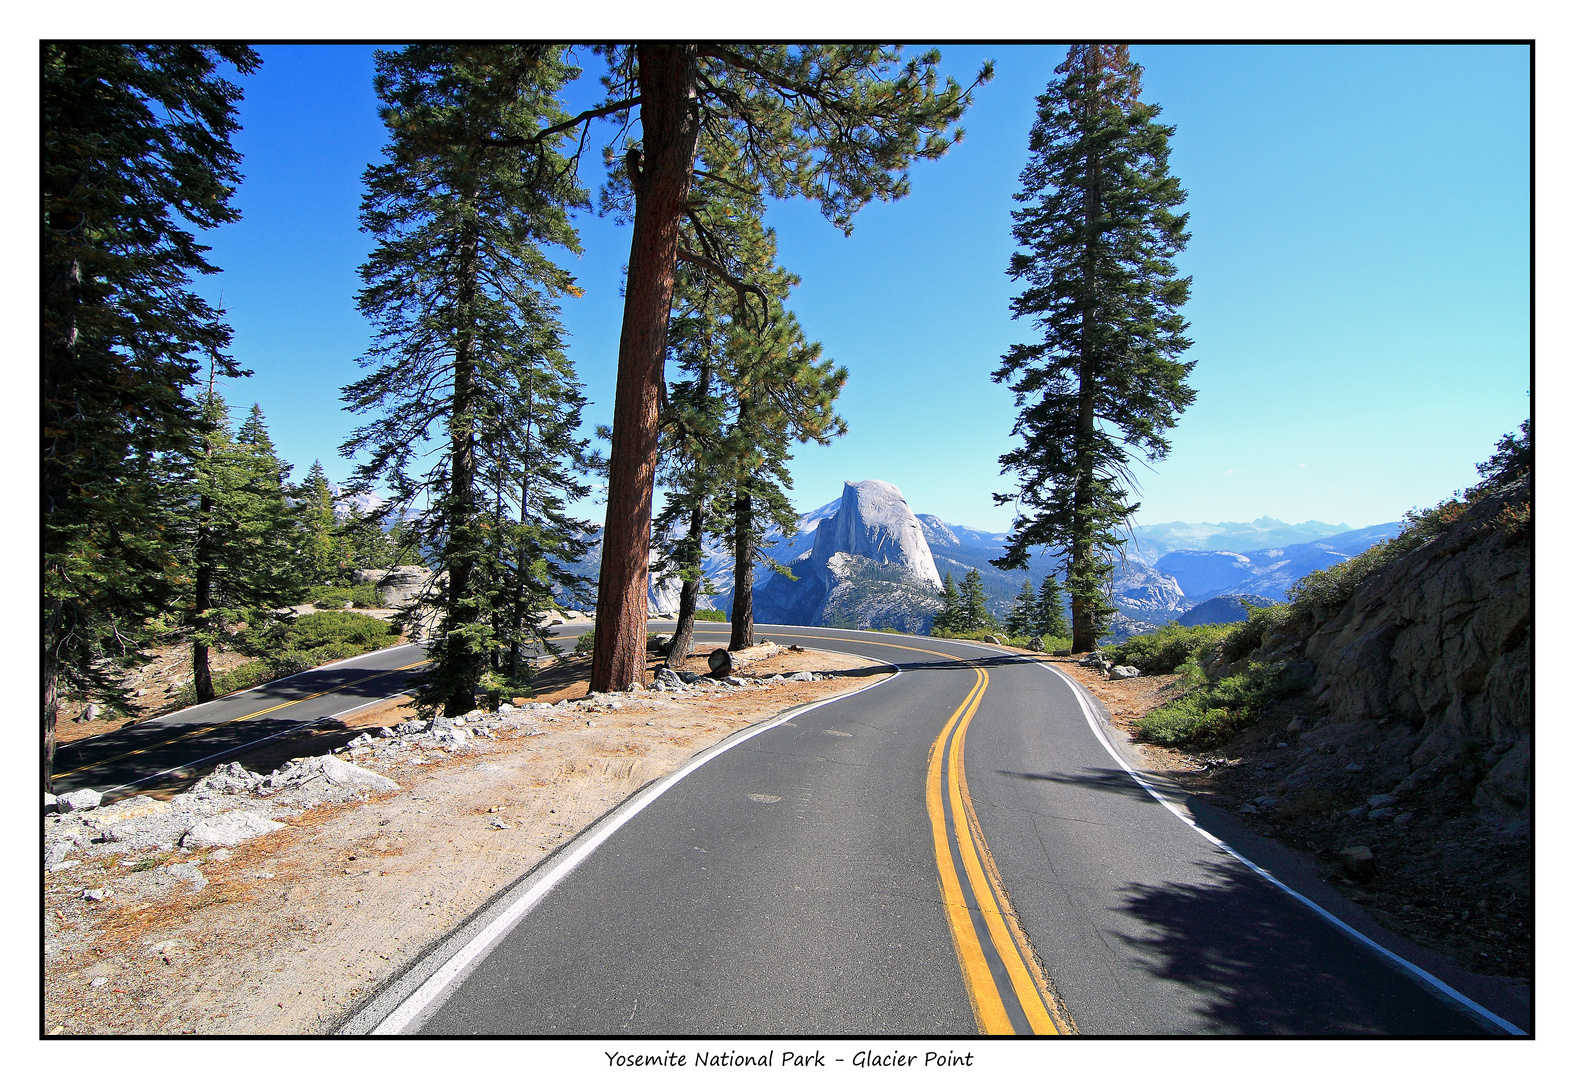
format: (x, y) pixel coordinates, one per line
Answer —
(1360, 258)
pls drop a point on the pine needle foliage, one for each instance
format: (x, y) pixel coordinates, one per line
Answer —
(1097, 230)
(136, 155)
(472, 190)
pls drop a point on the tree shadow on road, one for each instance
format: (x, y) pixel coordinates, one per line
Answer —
(1267, 967)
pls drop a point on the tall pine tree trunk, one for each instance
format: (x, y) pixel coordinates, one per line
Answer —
(689, 595)
(52, 646)
(1081, 578)
(670, 129)
(201, 677)
(743, 635)
(460, 665)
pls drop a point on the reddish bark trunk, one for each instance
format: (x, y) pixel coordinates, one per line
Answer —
(669, 133)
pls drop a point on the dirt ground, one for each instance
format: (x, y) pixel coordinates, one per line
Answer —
(1441, 875)
(294, 928)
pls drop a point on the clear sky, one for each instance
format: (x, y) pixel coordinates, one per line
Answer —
(1360, 258)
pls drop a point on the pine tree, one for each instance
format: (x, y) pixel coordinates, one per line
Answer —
(836, 123)
(758, 386)
(135, 148)
(1097, 233)
(1021, 621)
(327, 555)
(948, 619)
(460, 290)
(1050, 611)
(975, 615)
(244, 541)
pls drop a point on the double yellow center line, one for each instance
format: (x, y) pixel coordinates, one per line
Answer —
(1008, 990)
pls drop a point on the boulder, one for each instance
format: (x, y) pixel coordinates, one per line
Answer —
(232, 778)
(1359, 863)
(80, 799)
(1121, 672)
(398, 587)
(227, 830)
(721, 663)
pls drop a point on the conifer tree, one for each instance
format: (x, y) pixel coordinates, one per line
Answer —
(949, 618)
(759, 385)
(135, 153)
(1021, 621)
(1097, 231)
(327, 553)
(244, 540)
(1050, 610)
(836, 123)
(460, 289)
(975, 615)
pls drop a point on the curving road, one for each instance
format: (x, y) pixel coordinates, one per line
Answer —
(955, 850)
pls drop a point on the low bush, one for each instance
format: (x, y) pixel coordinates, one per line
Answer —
(710, 615)
(332, 628)
(1018, 641)
(335, 597)
(585, 644)
(1167, 648)
(1210, 713)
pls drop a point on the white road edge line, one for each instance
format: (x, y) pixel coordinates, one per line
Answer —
(478, 947)
(1186, 817)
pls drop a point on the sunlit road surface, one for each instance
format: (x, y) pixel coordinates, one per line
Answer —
(952, 851)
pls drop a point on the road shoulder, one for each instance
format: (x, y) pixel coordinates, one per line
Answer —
(294, 929)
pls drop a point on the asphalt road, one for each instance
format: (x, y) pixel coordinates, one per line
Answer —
(130, 757)
(119, 762)
(855, 869)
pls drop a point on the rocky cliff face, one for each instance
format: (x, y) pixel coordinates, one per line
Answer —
(1430, 659)
(875, 522)
(1441, 640)
(869, 565)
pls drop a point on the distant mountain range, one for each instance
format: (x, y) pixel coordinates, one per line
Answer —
(866, 559)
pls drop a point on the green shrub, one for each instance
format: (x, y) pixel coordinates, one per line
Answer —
(328, 597)
(335, 597)
(1167, 648)
(333, 628)
(710, 615)
(1211, 713)
(1243, 637)
(585, 644)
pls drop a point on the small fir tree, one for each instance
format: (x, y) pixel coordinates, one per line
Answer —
(245, 541)
(1020, 623)
(975, 613)
(327, 551)
(1050, 611)
(948, 619)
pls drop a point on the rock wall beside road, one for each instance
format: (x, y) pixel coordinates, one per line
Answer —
(1441, 640)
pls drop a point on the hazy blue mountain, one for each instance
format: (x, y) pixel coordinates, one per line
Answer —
(1149, 542)
(1221, 609)
(859, 561)
(1268, 571)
